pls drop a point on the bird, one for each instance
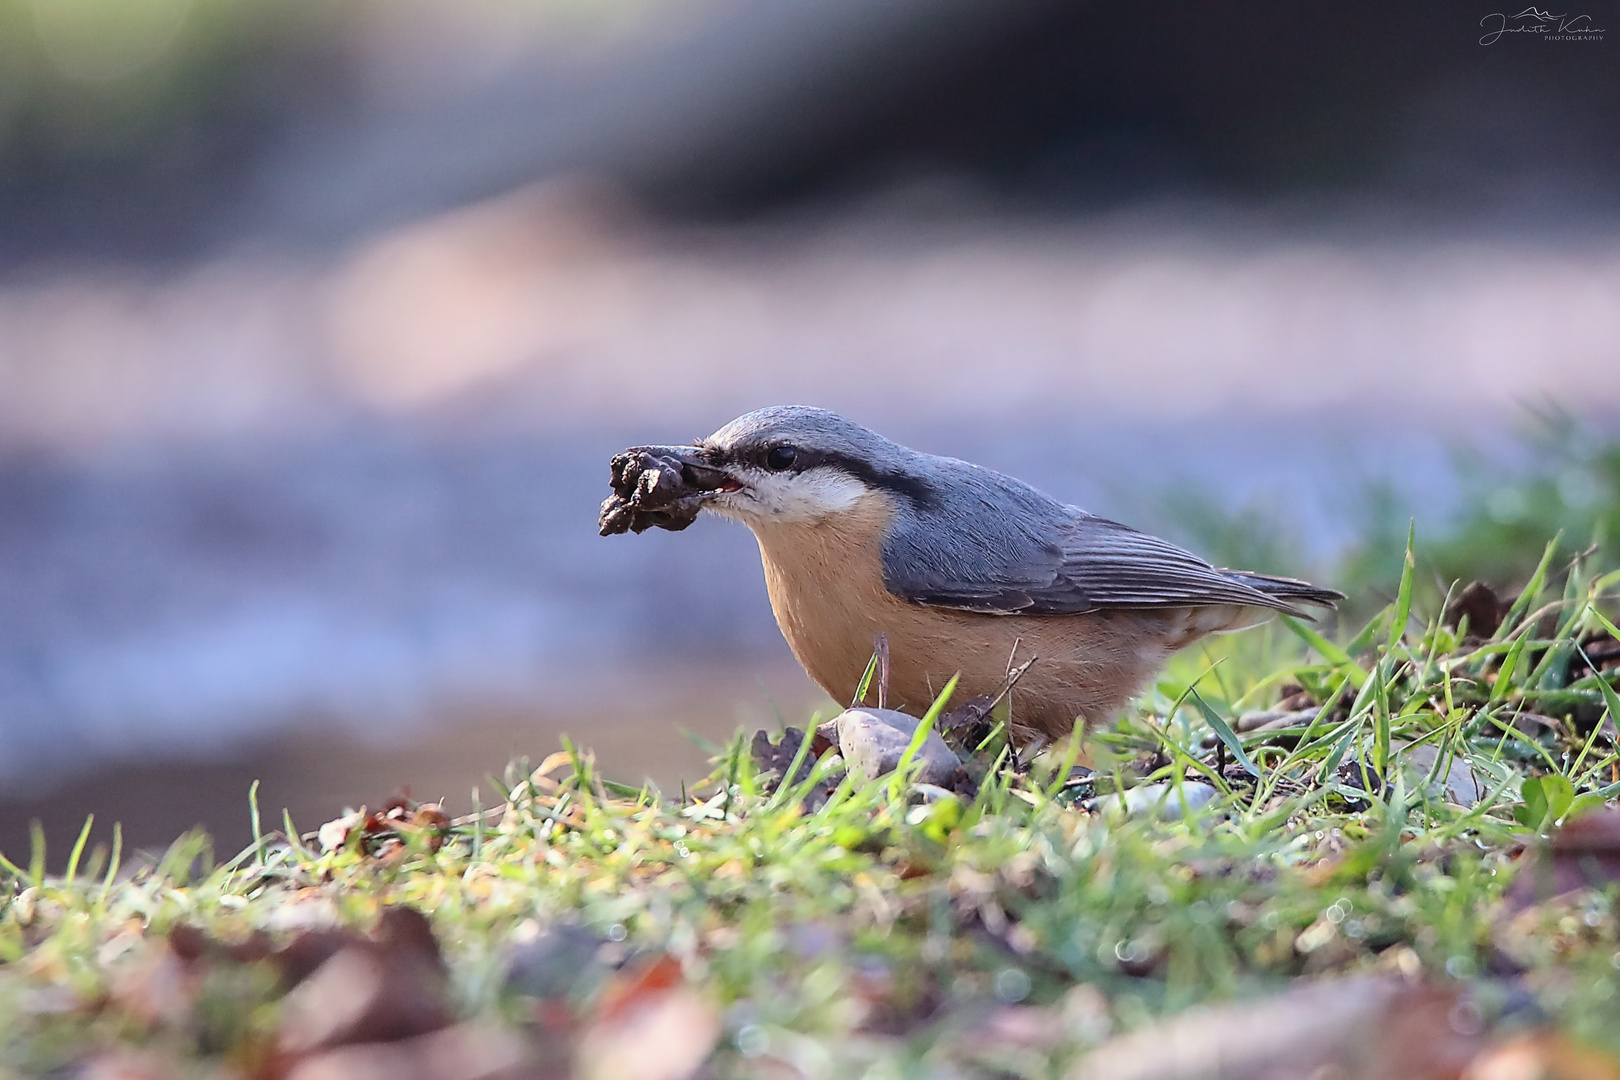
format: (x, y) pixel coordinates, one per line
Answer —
(961, 568)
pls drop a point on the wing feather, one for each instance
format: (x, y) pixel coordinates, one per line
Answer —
(1091, 563)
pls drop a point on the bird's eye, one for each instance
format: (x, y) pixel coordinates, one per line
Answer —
(781, 457)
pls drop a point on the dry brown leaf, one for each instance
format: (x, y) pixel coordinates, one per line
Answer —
(1543, 1056)
(661, 1036)
(655, 975)
(455, 1053)
(1583, 853)
(126, 1064)
(335, 833)
(386, 988)
(1363, 1028)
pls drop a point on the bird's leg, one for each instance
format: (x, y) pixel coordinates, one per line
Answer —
(973, 721)
(1017, 641)
(1013, 675)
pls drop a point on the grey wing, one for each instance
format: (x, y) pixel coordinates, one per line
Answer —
(1083, 564)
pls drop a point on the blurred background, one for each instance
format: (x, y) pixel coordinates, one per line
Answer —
(319, 322)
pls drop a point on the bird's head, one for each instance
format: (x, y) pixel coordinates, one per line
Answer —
(792, 464)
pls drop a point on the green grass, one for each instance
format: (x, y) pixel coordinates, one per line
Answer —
(868, 934)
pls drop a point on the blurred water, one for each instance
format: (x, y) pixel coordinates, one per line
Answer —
(256, 495)
(304, 423)
(183, 600)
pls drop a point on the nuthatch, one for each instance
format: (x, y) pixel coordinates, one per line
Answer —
(959, 566)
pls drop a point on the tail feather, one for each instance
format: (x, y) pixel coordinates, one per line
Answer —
(1285, 589)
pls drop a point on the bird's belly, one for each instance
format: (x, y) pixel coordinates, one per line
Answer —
(826, 589)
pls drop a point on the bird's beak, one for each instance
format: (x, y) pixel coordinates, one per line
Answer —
(699, 471)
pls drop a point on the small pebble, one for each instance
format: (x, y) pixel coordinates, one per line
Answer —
(1161, 800)
(872, 742)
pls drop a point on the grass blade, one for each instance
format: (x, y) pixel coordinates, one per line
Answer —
(1403, 598)
(1381, 720)
(1326, 649)
(1611, 700)
(866, 681)
(1532, 589)
(1331, 765)
(253, 814)
(113, 863)
(920, 736)
(36, 853)
(1224, 732)
(1504, 675)
(78, 851)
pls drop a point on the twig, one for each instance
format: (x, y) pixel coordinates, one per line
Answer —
(881, 645)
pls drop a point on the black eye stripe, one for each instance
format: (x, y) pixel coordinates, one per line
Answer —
(770, 457)
(911, 487)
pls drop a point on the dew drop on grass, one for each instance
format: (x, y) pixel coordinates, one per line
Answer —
(1465, 1016)
(1130, 952)
(752, 1041)
(1012, 985)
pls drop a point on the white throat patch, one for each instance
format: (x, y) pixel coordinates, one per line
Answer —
(791, 497)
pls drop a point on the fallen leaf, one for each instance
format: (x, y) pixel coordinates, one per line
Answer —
(159, 985)
(335, 833)
(463, 1052)
(389, 987)
(654, 975)
(300, 957)
(656, 1036)
(1584, 852)
(383, 833)
(1363, 1028)
(1480, 605)
(432, 822)
(773, 760)
(1543, 1056)
(124, 1064)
